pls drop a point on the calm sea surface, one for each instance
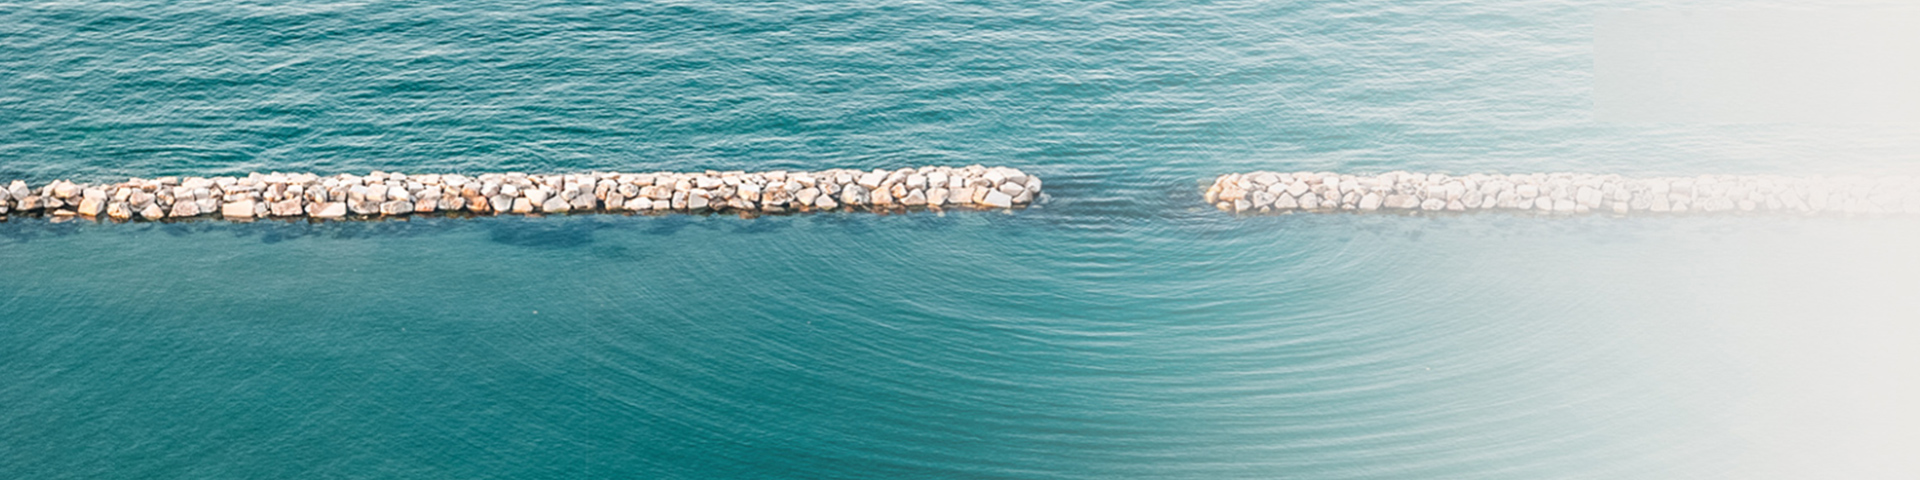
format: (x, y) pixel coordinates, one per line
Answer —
(1117, 330)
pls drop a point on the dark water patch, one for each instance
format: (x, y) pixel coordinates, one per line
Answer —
(534, 233)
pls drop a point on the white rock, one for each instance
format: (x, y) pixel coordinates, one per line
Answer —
(239, 209)
(1285, 202)
(287, 208)
(853, 195)
(998, 199)
(960, 196)
(93, 206)
(327, 210)
(555, 205)
(1297, 188)
(396, 207)
(116, 211)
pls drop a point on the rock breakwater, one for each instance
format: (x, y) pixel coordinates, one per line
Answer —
(1561, 193)
(383, 194)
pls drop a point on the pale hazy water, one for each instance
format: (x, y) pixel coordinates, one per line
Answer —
(1119, 330)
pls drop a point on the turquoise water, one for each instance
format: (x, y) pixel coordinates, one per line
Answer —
(1118, 330)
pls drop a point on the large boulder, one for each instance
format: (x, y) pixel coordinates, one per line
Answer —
(329, 210)
(960, 196)
(120, 211)
(1285, 202)
(184, 210)
(93, 206)
(1371, 201)
(853, 195)
(288, 208)
(238, 209)
(555, 205)
(998, 199)
(396, 207)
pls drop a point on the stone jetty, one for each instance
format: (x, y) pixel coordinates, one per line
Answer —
(383, 194)
(1561, 193)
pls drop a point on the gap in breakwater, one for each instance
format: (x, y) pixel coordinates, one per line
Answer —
(387, 195)
(1561, 193)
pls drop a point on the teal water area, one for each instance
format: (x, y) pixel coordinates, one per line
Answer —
(1118, 330)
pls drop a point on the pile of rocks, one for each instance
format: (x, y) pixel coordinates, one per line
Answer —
(392, 194)
(1272, 192)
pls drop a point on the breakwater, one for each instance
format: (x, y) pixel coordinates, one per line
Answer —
(397, 194)
(1564, 193)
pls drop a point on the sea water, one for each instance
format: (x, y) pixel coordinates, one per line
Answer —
(1118, 329)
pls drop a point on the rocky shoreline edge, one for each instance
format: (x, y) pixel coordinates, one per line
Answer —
(384, 194)
(1560, 193)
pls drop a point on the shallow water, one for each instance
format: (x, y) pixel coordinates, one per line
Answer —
(1120, 329)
